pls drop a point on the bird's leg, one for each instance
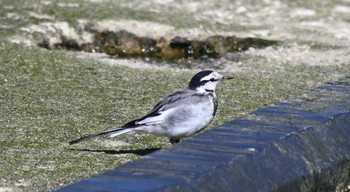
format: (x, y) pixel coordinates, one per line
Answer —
(174, 140)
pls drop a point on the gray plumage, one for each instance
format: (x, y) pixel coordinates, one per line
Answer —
(180, 114)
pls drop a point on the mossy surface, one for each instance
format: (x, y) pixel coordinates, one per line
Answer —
(48, 98)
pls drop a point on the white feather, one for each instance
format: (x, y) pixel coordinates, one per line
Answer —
(123, 131)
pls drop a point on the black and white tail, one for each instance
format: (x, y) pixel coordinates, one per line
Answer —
(115, 132)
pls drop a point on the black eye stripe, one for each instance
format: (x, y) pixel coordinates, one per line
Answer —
(206, 81)
(212, 80)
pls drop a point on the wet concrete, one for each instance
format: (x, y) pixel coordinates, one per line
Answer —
(289, 146)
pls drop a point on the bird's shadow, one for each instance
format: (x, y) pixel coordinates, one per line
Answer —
(140, 152)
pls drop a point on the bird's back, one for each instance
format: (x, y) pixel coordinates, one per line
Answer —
(181, 114)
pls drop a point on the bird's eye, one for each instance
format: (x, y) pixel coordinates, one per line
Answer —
(212, 79)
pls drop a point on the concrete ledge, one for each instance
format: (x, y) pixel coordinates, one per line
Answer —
(297, 146)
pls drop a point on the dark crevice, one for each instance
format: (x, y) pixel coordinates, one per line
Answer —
(128, 45)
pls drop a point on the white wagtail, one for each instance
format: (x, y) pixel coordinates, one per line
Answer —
(179, 115)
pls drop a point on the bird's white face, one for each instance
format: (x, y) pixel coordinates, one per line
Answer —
(206, 81)
(210, 82)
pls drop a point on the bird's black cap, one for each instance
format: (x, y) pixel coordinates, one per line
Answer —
(196, 80)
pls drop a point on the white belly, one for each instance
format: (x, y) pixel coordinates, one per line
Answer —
(185, 120)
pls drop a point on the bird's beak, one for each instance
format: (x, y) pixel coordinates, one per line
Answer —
(227, 78)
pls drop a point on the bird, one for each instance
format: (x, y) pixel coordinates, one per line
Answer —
(179, 115)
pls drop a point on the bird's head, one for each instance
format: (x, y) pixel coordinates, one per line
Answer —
(206, 81)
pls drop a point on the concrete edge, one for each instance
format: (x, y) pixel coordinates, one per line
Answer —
(289, 146)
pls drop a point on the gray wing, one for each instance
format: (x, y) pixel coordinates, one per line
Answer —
(185, 97)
